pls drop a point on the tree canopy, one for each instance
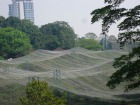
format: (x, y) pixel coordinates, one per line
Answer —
(63, 34)
(112, 43)
(2, 19)
(13, 43)
(90, 35)
(127, 65)
(25, 26)
(38, 93)
(48, 36)
(90, 44)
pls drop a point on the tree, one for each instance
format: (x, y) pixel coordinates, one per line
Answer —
(13, 43)
(11, 22)
(33, 32)
(62, 32)
(50, 42)
(38, 93)
(2, 19)
(112, 43)
(127, 65)
(25, 26)
(90, 44)
(90, 35)
(104, 41)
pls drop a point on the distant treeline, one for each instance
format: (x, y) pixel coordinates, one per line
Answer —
(18, 37)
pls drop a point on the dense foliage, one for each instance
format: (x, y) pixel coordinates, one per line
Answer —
(2, 19)
(127, 65)
(13, 43)
(60, 34)
(90, 35)
(49, 36)
(38, 93)
(90, 44)
(25, 26)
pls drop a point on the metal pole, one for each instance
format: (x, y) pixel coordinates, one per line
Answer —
(105, 42)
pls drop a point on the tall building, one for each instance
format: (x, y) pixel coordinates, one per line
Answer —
(22, 9)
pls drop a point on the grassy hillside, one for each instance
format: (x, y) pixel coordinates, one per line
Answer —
(82, 72)
(10, 94)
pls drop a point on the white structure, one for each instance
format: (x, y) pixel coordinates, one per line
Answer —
(22, 9)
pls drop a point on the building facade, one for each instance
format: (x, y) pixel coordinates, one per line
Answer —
(22, 9)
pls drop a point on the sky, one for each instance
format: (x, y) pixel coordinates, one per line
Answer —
(75, 12)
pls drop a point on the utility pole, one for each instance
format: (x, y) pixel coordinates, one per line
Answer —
(57, 77)
(104, 41)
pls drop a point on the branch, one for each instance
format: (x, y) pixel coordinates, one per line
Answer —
(114, 2)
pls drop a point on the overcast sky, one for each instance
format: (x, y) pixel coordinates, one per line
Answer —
(75, 12)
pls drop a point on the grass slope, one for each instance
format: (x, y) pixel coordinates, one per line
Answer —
(82, 71)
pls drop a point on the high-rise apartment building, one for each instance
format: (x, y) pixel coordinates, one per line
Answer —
(22, 9)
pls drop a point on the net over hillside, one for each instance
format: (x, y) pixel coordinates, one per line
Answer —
(76, 70)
